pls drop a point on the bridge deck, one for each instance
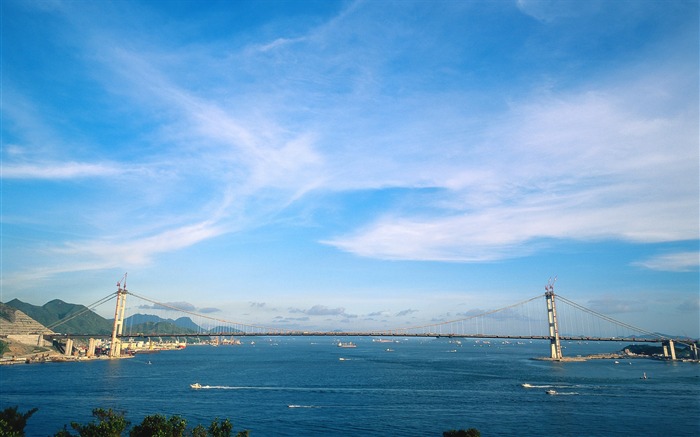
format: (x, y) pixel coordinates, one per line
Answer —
(376, 334)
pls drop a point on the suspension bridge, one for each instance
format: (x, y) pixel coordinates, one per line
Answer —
(560, 319)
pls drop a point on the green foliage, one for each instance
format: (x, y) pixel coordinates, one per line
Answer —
(222, 429)
(56, 310)
(4, 346)
(112, 424)
(160, 426)
(199, 431)
(7, 312)
(471, 432)
(109, 424)
(12, 422)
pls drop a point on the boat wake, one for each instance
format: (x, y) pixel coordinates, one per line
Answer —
(302, 406)
(526, 385)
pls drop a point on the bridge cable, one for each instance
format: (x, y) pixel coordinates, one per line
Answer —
(172, 307)
(609, 319)
(83, 311)
(470, 317)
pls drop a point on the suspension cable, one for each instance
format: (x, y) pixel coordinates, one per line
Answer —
(172, 307)
(83, 311)
(468, 318)
(609, 319)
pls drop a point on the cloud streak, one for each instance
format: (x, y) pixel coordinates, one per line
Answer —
(579, 167)
(672, 262)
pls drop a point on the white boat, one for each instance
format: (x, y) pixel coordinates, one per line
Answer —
(196, 386)
(551, 392)
(346, 345)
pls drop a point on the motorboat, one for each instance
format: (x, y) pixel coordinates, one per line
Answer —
(347, 345)
(551, 392)
(196, 386)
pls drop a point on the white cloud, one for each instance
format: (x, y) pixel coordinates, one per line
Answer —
(672, 262)
(61, 170)
(616, 306)
(552, 10)
(593, 165)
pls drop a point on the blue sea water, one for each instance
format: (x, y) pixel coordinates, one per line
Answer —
(299, 386)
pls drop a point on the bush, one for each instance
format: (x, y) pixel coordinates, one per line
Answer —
(109, 424)
(12, 422)
(114, 424)
(471, 432)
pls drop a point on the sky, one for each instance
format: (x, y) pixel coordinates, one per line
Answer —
(353, 164)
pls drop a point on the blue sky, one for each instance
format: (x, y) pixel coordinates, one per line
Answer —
(353, 164)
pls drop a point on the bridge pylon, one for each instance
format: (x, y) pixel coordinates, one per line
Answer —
(554, 343)
(115, 350)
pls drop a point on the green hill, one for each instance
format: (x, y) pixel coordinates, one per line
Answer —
(57, 310)
(162, 327)
(91, 323)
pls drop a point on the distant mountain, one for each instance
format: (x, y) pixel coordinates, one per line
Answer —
(227, 329)
(57, 310)
(147, 323)
(92, 323)
(15, 322)
(186, 322)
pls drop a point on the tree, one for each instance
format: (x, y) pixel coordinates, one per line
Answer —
(471, 432)
(160, 426)
(4, 347)
(109, 424)
(12, 422)
(113, 424)
(222, 429)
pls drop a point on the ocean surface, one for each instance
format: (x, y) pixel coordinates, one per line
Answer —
(307, 386)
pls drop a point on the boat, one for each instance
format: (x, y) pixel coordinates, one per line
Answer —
(346, 345)
(551, 392)
(196, 386)
(644, 376)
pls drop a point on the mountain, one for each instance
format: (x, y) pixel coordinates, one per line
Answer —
(149, 323)
(92, 323)
(218, 329)
(57, 310)
(15, 322)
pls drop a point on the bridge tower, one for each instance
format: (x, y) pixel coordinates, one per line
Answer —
(115, 350)
(554, 343)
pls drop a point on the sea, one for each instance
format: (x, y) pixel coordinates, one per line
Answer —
(308, 386)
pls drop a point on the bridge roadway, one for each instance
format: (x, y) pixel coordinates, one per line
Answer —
(377, 334)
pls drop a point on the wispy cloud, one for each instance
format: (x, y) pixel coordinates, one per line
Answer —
(406, 312)
(617, 306)
(322, 310)
(582, 166)
(61, 170)
(672, 262)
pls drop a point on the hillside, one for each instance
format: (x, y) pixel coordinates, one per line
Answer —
(16, 322)
(57, 310)
(92, 323)
(149, 323)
